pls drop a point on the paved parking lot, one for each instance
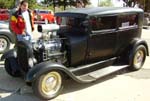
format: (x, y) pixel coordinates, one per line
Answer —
(120, 86)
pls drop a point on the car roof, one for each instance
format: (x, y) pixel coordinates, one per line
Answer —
(98, 11)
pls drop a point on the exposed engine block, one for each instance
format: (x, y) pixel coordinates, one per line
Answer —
(47, 48)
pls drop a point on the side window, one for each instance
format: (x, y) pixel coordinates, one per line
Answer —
(103, 23)
(127, 21)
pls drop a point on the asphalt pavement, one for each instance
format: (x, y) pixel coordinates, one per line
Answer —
(120, 86)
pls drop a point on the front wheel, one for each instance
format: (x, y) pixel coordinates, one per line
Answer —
(11, 67)
(48, 85)
(138, 58)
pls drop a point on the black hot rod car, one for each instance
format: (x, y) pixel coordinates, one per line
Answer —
(90, 43)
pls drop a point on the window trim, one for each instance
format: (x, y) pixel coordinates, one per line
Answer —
(129, 26)
(102, 32)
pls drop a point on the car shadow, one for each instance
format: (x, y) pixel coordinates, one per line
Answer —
(13, 88)
(75, 86)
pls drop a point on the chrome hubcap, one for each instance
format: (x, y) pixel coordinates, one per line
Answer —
(51, 83)
(3, 44)
(138, 58)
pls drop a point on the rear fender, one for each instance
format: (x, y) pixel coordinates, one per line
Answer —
(10, 53)
(134, 44)
(45, 67)
(137, 42)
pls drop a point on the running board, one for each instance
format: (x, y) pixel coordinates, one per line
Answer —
(100, 73)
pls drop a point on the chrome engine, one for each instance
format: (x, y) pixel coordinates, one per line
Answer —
(49, 47)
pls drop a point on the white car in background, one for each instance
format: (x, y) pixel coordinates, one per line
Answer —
(6, 37)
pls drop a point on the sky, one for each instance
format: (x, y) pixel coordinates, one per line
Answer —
(94, 2)
(39, 0)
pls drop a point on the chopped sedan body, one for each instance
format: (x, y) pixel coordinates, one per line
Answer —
(88, 44)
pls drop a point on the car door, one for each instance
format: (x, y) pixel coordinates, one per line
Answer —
(128, 29)
(102, 39)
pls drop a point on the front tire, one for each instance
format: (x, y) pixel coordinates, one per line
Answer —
(48, 85)
(11, 67)
(138, 58)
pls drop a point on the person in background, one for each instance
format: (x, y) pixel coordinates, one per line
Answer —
(79, 4)
(22, 22)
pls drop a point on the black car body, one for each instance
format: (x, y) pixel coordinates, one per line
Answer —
(90, 43)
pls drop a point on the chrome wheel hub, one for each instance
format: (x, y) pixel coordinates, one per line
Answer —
(51, 83)
(139, 58)
(3, 44)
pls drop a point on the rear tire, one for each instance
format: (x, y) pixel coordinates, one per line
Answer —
(48, 85)
(137, 58)
(12, 71)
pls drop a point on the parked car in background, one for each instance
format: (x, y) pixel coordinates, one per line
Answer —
(4, 14)
(88, 44)
(46, 16)
(146, 23)
(6, 37)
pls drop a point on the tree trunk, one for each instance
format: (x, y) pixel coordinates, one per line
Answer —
(147, 5)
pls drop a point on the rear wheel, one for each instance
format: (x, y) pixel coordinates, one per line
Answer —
(11, 67)
(48, 85)
(138, 58)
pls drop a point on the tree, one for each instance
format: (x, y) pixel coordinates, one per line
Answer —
(86, 2)
(7, 4)
(32, 4)
(68, 2)
(144, 4)
(47, 2)
(132, 3)
(147, 5)
(105, 3)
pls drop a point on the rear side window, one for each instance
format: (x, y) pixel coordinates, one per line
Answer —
(103, 23)
(128, 21)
